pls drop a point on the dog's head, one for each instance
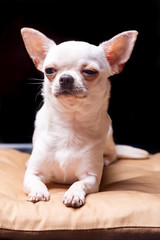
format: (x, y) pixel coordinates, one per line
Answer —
(78, 69)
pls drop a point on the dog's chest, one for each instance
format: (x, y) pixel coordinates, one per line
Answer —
(65, 157)
(68, 147)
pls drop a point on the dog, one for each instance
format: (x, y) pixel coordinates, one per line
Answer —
(73, 136)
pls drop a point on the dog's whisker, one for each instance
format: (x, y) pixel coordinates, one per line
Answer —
(34, 83)
(38, 94)
(36, 79)
(40, 104)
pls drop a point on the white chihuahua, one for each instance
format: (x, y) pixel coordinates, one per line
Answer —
(73, 132)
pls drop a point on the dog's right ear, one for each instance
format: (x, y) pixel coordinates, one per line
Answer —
(37, 45)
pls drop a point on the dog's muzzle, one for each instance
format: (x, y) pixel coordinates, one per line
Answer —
(67, 87)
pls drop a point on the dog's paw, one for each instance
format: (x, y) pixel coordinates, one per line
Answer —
(38, 196)
(73, 200)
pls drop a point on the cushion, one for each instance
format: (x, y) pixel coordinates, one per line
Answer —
(127, 205)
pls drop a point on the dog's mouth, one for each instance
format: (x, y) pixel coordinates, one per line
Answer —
(71, 93)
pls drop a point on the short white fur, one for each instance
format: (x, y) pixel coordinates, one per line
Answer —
(73, 132)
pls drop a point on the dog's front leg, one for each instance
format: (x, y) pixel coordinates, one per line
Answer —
(75, 195)
(34, 182)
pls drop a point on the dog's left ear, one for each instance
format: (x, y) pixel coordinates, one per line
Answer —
(118, 50)
(37, 45)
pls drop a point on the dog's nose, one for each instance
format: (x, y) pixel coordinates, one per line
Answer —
(66, 81)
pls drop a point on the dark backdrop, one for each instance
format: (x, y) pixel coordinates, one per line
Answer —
(135, 98)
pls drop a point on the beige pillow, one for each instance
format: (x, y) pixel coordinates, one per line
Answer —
(128, 204)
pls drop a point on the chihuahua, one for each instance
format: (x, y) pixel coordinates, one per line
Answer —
(73, 131)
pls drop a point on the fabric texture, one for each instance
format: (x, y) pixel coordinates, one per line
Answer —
(128, 203)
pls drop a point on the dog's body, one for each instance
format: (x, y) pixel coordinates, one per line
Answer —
(73, 132)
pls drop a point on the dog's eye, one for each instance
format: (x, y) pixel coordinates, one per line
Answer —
(89, 72)
(50, 71)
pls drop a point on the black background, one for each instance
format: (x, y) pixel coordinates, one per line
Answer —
(135, 99)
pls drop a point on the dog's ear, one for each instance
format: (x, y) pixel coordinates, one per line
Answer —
(37, 45)
(118, 50)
